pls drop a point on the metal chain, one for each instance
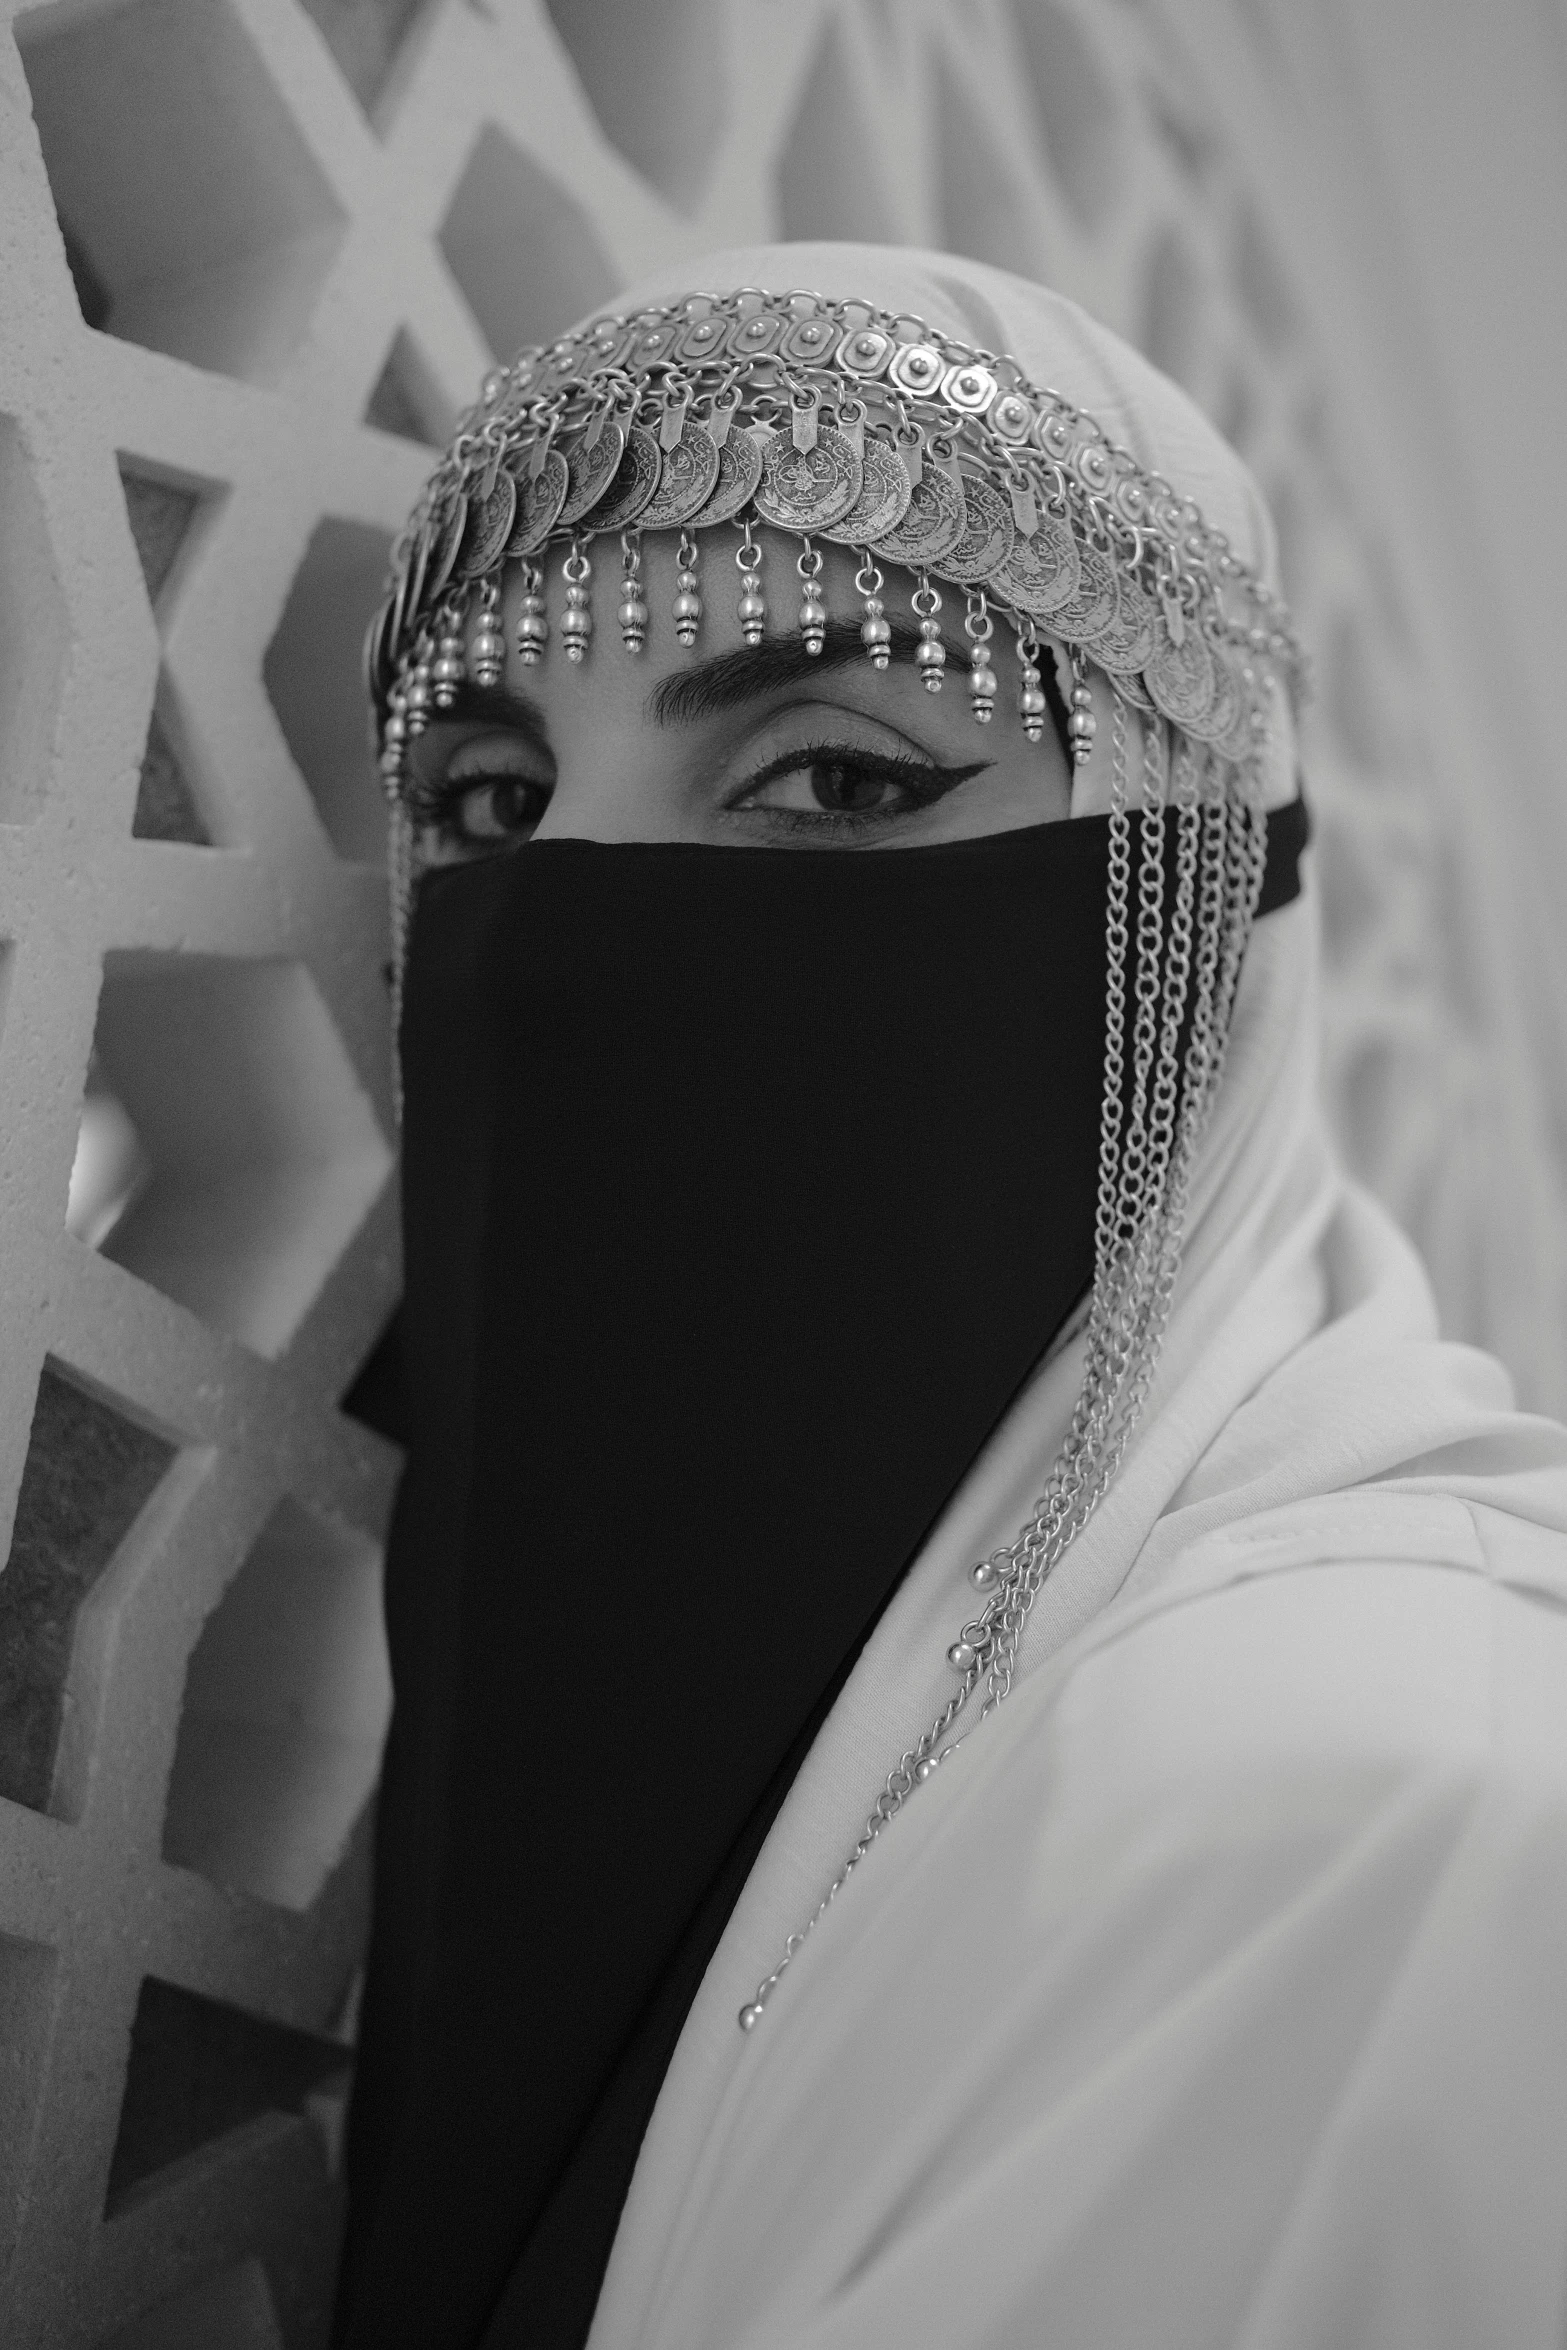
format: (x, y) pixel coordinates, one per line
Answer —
(1190, 975)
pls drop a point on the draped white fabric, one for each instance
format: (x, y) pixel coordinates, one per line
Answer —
(1212, 1993)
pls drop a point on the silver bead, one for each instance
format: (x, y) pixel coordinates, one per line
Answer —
(448, 672)
(687, 607)
(985, 1576)
(576, 622)
(813, 621)
(633, 621)
(961, 1655)
(487, 659)
(750, 2015)
(876, 633)
(981, 686)
(752, 613)
(533, 630)
(930, 656)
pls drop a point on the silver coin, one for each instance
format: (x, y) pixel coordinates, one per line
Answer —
(935, 521)
(686, 481)
(1127, 640)
(636, 478)
(883, 500)
(808, 489)
(988, 538)
(377, 638)
(590, 472)
(1042, 571)
(739, 471)
(1225, 724)
(489, 528)
(1181, 677)
(436, 554)
(538, 506)
(398, 618)
(1093, 607)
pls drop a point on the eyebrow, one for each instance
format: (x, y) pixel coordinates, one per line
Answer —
(495, 705)
(729, 680)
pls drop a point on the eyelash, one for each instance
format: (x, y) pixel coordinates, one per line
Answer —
(440, 805)
(925, 783)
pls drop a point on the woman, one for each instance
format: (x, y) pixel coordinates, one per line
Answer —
(904, 1402)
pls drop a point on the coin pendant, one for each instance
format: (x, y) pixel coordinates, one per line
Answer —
(1081, 617)
(437, 555)
(883, 500)
(590, 472)
(377, 637)
(398, 619)
(1224, 725)
(808, 489)
(1041, 573)
(538, 506)
(1127, 639)
(988, 537)
(489, 528)
(635, 480)
(935, 521)
(686, 482)
(739, 471)
(1181, 677)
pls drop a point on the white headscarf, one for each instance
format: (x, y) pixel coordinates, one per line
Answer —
(1213, 1992)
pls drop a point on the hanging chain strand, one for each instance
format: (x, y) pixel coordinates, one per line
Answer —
(1183, 976)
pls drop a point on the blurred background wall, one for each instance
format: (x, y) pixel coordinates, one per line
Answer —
(254, 254)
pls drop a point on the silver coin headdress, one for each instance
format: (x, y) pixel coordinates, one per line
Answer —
(842, 423)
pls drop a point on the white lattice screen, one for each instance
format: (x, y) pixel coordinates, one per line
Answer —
(253, 255)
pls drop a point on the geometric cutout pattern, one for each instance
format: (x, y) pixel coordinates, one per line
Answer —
(265, 1153)
(406, 400)
(165, 803)
(87, 1475)
(376, 1398)
(287, 1696)
(523, 251)
(656, 81)
(160, 514)
(364, 37)
(311, 672)
(93, 297)
(191, 193)
(110, 1166)
(198, 2070)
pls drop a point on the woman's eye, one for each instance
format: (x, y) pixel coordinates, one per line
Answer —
(845, 783)
(488, 809)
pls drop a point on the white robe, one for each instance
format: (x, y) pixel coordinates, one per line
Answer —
(1215, 1991)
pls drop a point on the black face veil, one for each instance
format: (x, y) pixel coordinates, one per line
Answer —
(743, 1190)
